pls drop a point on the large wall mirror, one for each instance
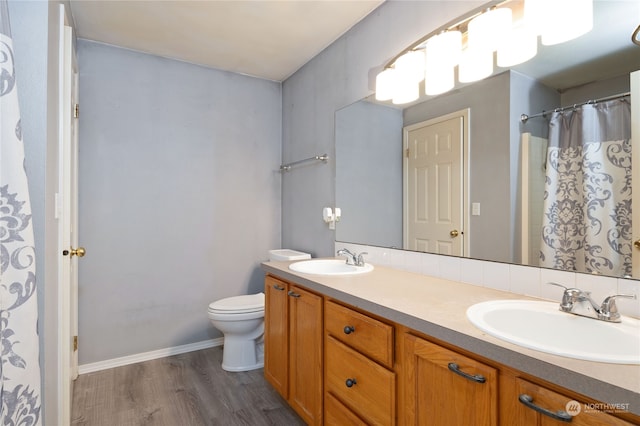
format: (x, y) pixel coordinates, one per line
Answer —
(504, 159)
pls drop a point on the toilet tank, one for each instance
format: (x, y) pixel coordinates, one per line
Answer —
(287, 254)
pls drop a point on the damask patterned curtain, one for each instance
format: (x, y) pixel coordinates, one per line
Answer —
(20, 369)
(587, 198)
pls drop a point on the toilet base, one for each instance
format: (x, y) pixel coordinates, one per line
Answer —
(242, 354)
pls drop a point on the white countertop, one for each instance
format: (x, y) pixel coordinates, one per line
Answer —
(437, 307)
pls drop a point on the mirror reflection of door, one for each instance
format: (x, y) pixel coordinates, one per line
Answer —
(433, 195)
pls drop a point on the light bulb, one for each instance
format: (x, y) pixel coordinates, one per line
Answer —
(475, 64)
(385, 84)
(519, 47)
(411, 66)
(487, 31)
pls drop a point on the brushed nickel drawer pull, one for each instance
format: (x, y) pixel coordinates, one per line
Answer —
(348, 329)
(277, 287)
(473, 377)
(560, 415)
(292, 294)
(350, 382)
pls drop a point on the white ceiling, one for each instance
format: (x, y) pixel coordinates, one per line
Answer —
(272, 39)
(263, 38)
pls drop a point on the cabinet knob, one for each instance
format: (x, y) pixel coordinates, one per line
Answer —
(350, 382)
(348, 329)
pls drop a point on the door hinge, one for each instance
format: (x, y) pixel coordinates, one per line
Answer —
(407, 152)
(76, 111)
(75, 343)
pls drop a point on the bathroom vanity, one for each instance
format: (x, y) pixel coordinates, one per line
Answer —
(391, 347)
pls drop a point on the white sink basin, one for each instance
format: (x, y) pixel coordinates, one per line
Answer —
(329, 267)
(541, 326)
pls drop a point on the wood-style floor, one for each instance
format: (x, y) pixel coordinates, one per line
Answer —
(182, 390)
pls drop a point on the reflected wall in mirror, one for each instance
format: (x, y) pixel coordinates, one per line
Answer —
(502, 225)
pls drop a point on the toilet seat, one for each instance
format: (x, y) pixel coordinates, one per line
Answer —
(238, 305)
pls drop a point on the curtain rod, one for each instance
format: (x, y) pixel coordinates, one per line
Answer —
(525, 117)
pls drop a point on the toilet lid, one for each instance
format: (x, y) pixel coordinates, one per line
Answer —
(239, 304)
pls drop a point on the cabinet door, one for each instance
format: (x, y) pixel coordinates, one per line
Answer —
(539, 406)
(443, 387)
(305, 354)
(276, 334)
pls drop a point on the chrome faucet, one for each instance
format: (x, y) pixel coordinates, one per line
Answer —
(352, 258)
(579, 302)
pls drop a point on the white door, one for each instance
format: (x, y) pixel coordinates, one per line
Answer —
(635, 171)
(434, 219)
(67, 213)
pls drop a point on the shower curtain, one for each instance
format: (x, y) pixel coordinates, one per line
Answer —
(19, 366)
(587, 198)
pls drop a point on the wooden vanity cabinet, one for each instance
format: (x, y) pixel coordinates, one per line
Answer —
(443, 387)
(380, 373)
(293, 346)
(360, 383)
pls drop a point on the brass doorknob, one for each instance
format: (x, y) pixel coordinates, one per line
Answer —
(636, 244)
(454, 233)
(80, 252)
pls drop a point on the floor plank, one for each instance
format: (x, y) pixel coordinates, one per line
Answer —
(182, 390)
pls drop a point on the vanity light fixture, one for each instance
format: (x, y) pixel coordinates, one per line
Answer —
(560, 21)
(510, 28)
(519, 47)
(442, 53)
(409, 73)
(385, 84)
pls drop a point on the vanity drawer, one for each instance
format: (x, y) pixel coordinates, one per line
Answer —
(364, 386)
(336, 414)
(365, 334)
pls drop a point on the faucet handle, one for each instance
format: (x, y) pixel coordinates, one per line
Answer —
(569, 296)
(609, 309)
(558, 285)
(361, 258)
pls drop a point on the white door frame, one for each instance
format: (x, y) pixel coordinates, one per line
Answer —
(465, 114)
(635, 171)
(66, 214)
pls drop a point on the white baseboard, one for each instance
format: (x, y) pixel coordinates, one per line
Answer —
(147, 356)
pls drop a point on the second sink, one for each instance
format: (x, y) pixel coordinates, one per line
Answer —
(329, 267)
(541, 326)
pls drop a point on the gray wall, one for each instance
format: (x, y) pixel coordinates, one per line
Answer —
(179, 196)
(369, 174)
(340, 75)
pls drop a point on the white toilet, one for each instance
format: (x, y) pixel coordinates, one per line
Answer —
(241, 320)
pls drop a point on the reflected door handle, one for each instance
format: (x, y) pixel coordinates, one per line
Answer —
(80, 252)
(454, 233)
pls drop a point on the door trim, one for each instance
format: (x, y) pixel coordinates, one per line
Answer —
(635, 170)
